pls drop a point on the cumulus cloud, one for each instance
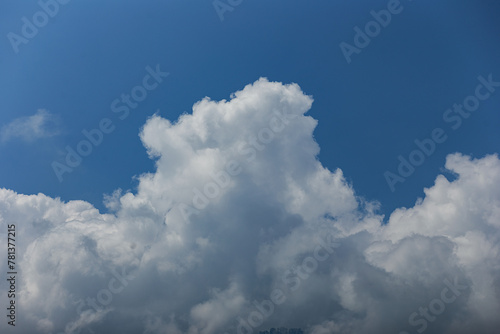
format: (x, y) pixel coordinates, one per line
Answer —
(42, 124)
(241, 228)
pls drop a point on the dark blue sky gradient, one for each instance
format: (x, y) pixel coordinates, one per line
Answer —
(370, 111)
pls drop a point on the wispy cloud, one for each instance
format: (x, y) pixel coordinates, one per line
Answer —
(42, 124)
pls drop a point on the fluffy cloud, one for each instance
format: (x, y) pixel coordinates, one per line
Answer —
(42, 124)
(241, 226)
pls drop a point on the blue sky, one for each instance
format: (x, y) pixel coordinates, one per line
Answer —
(370, 111)
(200, 244)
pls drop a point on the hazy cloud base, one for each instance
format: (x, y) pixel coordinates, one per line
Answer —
(201, 274)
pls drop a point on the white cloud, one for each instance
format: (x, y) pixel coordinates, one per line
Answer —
(207, 273)
(42, 124)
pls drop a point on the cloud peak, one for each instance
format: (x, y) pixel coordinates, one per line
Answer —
(275, 239)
